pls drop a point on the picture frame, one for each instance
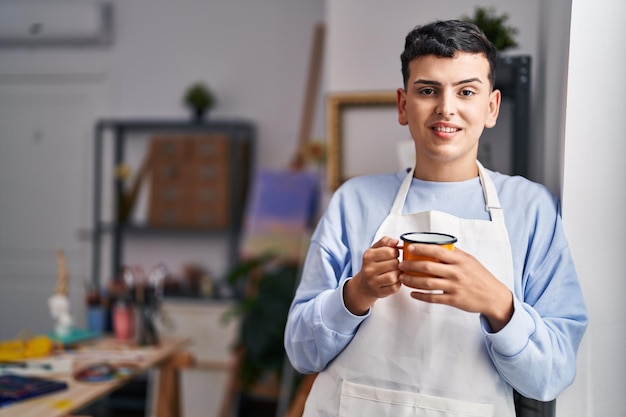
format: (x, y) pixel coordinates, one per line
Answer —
(337, 106)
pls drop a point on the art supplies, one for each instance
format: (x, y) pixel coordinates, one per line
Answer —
(14, 388)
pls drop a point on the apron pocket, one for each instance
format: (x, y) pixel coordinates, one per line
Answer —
(367, 401)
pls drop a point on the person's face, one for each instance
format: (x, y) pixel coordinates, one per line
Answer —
(447, 104)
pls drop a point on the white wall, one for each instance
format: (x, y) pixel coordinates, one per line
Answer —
(594, 201)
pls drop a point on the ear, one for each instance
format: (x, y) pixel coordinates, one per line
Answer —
(494, 108)
(401, 103)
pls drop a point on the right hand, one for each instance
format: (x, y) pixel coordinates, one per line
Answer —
(379, 276)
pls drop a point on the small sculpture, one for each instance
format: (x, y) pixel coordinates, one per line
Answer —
(59, 302)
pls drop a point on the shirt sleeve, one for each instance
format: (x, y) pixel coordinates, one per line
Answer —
(536, 351)
(319, 325)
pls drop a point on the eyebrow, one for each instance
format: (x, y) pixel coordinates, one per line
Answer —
(437, 83)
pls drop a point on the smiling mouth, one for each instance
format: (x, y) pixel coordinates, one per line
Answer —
(445, 129)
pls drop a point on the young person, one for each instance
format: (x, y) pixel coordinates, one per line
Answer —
(508, 312)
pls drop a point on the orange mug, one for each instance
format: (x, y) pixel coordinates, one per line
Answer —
(430, 238)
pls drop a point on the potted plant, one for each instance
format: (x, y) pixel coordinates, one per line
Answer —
(265, 286)
(199, 98)
(494, 26)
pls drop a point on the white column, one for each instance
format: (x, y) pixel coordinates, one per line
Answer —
(594, 201)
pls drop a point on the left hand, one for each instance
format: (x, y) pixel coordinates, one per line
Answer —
(465, 282)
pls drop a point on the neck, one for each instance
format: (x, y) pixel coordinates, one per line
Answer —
(445, 172)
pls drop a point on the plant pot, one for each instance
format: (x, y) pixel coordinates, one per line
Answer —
(199, 114)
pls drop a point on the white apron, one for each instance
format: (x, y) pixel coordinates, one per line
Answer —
(411, 358)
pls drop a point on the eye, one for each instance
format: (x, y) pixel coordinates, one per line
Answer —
(427, 91)
(467, 93)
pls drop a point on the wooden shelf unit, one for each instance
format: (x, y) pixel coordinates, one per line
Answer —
(201, 174)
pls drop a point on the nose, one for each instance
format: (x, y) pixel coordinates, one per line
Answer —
(445, 105)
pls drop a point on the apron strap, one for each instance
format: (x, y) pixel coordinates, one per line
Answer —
(398, 203)
(491, 195)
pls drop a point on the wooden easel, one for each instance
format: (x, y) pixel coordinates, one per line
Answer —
(296, 408)
(312, 88)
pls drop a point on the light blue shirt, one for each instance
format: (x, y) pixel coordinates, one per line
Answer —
(535, 352)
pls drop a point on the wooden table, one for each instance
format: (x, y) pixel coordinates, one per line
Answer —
(168, 358)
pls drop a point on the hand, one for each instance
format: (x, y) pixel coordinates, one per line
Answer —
(378, 278)
(465, 282)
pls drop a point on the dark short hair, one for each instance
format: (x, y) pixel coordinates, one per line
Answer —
(444, 39)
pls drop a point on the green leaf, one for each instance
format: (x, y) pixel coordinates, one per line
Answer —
(494, 26)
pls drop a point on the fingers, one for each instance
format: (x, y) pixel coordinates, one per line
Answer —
(434, 251)
(426, 284)
(433, 297)
(383, 250)
(431, 272)
(427, 267)
(459, 280)
(386, 241)
(430, 289)
(379, 271)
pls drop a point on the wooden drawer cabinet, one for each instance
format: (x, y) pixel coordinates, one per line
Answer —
(191, 181)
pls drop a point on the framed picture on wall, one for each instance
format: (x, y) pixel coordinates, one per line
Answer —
(351, 117)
